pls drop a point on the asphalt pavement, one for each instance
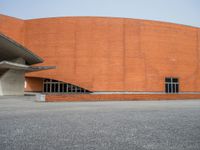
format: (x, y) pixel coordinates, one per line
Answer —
(125, 125)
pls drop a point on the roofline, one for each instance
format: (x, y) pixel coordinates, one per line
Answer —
(109, 17)
(106, 17)
(11, 17)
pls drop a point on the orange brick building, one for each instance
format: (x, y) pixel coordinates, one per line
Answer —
(109, 55)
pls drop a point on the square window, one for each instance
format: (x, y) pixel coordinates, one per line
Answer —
(171, 85)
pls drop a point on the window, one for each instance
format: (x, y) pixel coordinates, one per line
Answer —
(171, 85)
(54, 86)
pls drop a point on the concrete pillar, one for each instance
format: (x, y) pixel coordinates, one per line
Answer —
(12, 81)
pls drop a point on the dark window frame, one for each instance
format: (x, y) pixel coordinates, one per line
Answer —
(54, 86)
(171, 85)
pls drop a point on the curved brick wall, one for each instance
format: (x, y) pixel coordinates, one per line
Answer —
(114, 54)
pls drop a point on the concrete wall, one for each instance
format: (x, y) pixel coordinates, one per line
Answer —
(115, 54)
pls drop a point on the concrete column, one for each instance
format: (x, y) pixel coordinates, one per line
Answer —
(12, 81)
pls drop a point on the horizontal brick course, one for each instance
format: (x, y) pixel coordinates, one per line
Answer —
(118, 97)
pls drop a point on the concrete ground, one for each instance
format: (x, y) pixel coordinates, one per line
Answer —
(142, 125)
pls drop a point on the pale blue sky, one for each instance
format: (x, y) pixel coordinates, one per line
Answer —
(177, 11)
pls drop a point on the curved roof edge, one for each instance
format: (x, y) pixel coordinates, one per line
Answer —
(10, 49)
(107, 17)
(139, 19)
(10, 17)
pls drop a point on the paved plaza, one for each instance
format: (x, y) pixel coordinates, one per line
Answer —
(125, 125)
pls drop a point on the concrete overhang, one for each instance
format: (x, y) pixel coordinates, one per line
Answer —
(16, 66)
(10, 50)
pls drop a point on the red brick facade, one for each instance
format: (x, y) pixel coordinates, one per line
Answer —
(110, 54)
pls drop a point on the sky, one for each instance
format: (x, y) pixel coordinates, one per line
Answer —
(176, 11)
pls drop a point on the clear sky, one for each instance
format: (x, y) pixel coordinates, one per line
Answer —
(177, 11)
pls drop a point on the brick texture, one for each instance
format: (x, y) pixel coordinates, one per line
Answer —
(119, 97)
(111, 54)
(34, 85)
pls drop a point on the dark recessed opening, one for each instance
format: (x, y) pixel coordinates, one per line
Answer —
(53, 86)
(171, 85)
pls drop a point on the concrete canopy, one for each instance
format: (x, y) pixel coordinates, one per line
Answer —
(16, 66)
(10, 50)
(15, 60)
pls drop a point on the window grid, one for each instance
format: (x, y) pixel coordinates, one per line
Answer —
(171, 85)
(53, 86)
